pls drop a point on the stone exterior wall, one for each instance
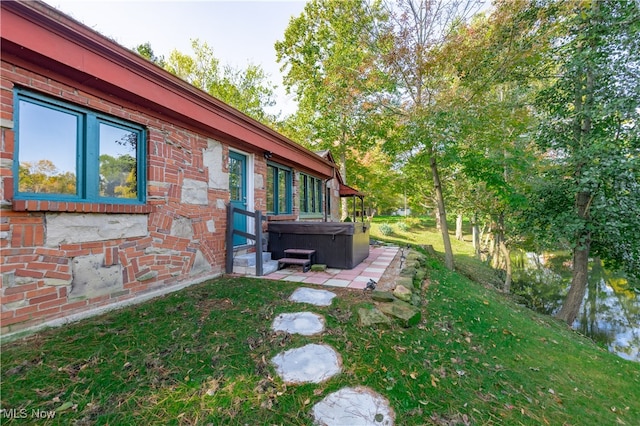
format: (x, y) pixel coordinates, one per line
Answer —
(59, 259)
(69, 259)
(334, 190)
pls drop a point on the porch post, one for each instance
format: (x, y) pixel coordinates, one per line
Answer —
(229, 240)
(258, 223)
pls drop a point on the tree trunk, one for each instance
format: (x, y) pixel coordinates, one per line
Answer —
(487, 237)
(494, 249)
(491, 250)
(459, 227)
(476, 235)
(571, 306)
(344, 203)
(582, 128)
(507, 261)
(444, 229)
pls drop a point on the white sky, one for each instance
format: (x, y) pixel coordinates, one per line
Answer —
(239, 32)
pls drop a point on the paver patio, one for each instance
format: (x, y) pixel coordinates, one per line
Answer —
(371, 268)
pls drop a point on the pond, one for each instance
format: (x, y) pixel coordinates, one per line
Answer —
(610, 312)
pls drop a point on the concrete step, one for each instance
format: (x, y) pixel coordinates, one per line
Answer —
(249, 259)
(267, 267)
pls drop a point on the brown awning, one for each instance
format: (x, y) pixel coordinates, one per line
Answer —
(347, 191)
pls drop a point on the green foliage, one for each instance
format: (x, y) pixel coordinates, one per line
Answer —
(44, 177)
(329, 64)
(589, 132)
(248, 89)
(413, 222)
(386, 229)
(118, 176)
(146, 51)
(403, 226)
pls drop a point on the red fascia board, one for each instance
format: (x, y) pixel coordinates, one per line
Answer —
(46, 32)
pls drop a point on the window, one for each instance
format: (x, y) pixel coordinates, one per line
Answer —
(310, 194)
(278, 189)
(69, 153)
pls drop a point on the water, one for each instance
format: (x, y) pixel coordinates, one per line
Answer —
(610, 313)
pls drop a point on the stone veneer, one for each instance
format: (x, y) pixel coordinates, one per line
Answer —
(60, 259)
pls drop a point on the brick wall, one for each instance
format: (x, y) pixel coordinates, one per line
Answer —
(183, 240)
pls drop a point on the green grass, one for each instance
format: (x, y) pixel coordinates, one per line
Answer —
(422, 232)
(202, 356)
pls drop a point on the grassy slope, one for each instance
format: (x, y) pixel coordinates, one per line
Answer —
(202, 356)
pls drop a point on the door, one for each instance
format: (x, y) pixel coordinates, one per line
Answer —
(238, 192)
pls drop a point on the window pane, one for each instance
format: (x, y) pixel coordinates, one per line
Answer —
(235, 179)
(271, 193)
(47, 148)
(303, 193)
(312, 196)
(282, 192)
(118, 162)
(319, 196)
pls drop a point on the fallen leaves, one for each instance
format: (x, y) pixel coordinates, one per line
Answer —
(434, 381)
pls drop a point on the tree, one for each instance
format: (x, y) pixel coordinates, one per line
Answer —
(376, 176)
(330, 66)
(146, 51)
(118, 176)
(248, 89)
(44, 177)
(412, 41)
(589, 196)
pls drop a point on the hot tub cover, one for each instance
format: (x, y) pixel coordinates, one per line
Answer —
(314, 228)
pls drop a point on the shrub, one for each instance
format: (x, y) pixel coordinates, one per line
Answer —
(386, 229)
(403, 226)
(412, 221)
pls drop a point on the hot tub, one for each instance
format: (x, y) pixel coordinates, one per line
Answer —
(341, 245)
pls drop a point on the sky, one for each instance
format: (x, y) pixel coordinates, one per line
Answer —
(239, 32)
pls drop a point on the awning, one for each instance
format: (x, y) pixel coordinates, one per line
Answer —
(347, 191)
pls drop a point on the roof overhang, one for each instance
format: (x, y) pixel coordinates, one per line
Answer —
(347, 191)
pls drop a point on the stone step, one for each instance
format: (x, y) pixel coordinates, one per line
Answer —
(267, 268)
(249, 259)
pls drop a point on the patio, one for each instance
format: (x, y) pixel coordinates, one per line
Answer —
(371, 268)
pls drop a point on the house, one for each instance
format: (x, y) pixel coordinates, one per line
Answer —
(116, 176)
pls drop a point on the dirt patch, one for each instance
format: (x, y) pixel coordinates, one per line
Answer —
(217, 304)
(206, 306)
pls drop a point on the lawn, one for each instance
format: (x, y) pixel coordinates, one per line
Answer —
(202, 356)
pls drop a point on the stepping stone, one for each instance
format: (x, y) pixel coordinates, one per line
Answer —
(359, 406)
(314, 297)
(309, 364)
(305, 323)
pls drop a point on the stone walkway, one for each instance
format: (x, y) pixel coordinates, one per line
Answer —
(316, 363)
(371, 268)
